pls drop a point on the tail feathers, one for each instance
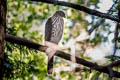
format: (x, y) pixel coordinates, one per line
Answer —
(50, 51)
(50, 65)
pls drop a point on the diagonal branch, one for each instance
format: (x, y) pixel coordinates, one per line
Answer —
(81, 8)
(30, 44)
(98, 23)
(116, 63)
(110, 10)
(102, 20)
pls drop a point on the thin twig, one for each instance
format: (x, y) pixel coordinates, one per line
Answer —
(110, 10)
(98, 23)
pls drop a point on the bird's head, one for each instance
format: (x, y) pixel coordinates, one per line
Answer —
(60, 13)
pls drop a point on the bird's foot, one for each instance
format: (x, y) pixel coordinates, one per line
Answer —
(52, 48)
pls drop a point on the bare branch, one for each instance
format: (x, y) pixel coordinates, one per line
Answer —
(116, 63)
(110, 10)
(24, 42)
(30, 44)
(81, 8)
(99, 22)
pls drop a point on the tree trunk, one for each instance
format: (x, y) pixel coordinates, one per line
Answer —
(2, 35)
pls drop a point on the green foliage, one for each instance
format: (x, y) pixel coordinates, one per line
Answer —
(22, 62)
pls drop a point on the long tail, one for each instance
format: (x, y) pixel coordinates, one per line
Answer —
(52, 48)
(50, 64)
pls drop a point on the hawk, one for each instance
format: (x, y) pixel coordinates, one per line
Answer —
(53, 34)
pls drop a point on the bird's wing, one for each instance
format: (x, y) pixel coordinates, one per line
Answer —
(48, 29)
(57, 30)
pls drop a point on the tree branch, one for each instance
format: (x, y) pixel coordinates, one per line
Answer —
(101, 21)
(81, 8)
(24, 42)
(116, 63)
(30, 44)
(110, 10)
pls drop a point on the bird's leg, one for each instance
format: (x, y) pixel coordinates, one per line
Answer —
(52, 48)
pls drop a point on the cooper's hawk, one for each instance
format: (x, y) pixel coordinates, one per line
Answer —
(53, 34)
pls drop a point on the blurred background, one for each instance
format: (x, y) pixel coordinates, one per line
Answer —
(27, 19)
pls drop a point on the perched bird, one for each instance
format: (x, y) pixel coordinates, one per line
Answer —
(53, 34)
